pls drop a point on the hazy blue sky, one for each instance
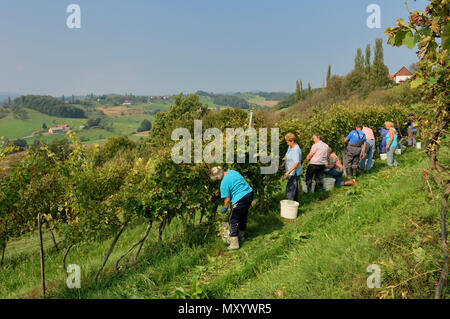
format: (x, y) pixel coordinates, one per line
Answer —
(172, 46)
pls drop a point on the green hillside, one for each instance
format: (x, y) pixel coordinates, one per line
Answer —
(324, 253)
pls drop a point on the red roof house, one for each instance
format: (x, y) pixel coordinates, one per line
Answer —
(401, 76)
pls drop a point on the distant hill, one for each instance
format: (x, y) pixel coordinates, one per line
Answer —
(4, 96)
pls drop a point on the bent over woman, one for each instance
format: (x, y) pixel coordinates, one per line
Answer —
(235, 190)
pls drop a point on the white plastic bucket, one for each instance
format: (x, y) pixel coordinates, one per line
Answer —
(328, 183)
(305, 188)
(383, 156)
(289, 209)
(418, 145)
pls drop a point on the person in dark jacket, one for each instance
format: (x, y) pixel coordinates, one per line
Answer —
(356, 149)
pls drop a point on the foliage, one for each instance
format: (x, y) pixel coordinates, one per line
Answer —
(337, 122)
(430, 31)
(49, 105)
(146, 125)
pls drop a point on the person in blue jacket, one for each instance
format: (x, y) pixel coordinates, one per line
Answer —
(356, 149)
(383, 132)
(411, 123)
(235, 190)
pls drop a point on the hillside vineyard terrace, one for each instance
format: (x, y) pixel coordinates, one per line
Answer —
(212, 153)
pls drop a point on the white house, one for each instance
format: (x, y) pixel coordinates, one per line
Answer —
(401, 76)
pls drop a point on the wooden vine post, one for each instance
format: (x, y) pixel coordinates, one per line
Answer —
(41, 246)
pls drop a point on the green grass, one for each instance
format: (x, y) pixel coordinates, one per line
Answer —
(388, 219)
(12, 128)
(125, 125)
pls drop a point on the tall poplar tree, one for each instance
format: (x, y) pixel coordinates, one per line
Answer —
(359, 60)
(379, 71)
(328, 74)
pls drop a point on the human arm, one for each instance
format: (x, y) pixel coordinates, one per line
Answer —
(391, 137)
(226, 202)
(363, 154)
(291, 169)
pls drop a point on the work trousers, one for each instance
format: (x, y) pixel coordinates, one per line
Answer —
(238, 215)
(352, 157)
(314, 172)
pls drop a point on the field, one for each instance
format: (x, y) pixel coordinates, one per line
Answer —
(125, 120)
(324, 253)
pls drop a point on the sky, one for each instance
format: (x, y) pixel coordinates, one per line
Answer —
(153, 47)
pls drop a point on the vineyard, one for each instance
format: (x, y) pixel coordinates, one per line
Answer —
(95, 195)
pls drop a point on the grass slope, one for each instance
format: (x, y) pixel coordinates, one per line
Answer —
(388, 219)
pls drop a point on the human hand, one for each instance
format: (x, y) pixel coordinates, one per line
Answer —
(286, 175)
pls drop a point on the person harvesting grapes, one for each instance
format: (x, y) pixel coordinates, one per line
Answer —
(391, 144)
(238, 194)
(293, 167)
(356, 149)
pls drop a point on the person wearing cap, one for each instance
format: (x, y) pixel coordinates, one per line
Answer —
(412, 130)
(367, 159)
(238, 194)
(293, 167)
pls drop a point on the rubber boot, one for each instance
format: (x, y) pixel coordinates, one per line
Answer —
(241, 235)
(350, 183)
(309, 186)
(348, 171)
(234, 243)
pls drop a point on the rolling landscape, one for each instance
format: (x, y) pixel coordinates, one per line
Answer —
(95, 202)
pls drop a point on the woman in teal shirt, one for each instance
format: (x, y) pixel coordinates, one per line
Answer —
(235, 190)
(391, 144)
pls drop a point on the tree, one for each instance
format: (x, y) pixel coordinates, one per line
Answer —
(429, 30)
(63, 99)
(20, 143)
(9, 101)
(367, 60)
(359, 60)
(309, 89)
(379, 71)
(413, 68)
(298, 92)
(146, 125)
(328, 74)
(73, 99)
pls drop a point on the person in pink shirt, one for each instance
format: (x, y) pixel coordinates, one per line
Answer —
(367, 160)
(318, 158)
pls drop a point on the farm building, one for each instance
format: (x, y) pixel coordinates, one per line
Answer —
(401, 76)
(60, 128)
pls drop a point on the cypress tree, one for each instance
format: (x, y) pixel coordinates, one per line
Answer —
(379, 71)
(359, 60)
(367, 60)
(328, 74)
(298, 93)
(309, 89)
